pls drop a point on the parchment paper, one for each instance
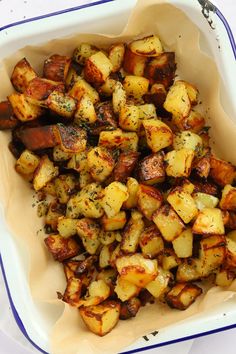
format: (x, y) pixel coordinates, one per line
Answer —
(69, 335)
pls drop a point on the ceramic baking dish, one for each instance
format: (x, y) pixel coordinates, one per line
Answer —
(110, 16)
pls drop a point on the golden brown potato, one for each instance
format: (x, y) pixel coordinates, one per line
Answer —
(149, 199)
(202, 165)
(189, 270)
(22, 74)
(61, 103)
(132, 232)
(177, 100)
(228, 199)
(85, 111)
(82, 87)
(106, 89)
(159, 285)
(97, 68)
(183, 204)
(193, 122)
(132, 186)
(62, 248)
(64, 186)
(39, 89)
(209, 221)
(183, 244)
(158, 134)
(117, 139)
(133, 63)
(71, 138)
(115, 222)
(188, 140)
(73, 290)
(169, 259)
(118, 97)
(149, 46)
(66, 227)
(54, 213)
(44, 173)
(183, 295)
(151, 242)
(222, 172)
(224, 277)
(151, 169)
(116, 55)
(161, 69)
(108, 237)
(125, 165)
(22, 109)
(212, 254)
(105, 118)
(60, 155)
(125, 290)
(100, 163)
(192, 91)
(230, 251)
(38, 138)
(114, 196)
(129, 308)
(129, 118)
(135, 86)
(7, 119)
(83, 52)
(89, 230)
(27, 163)
(156, 96)
(56, 67)
(179, 162)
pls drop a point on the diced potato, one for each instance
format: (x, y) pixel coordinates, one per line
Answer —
(202, 165)
(67, 227)
(118, 97)
(64, 186)
(100, 163)
(177, 100)
(108, 275)
(230, 252)
(100, 289)
(228, 199)
(70, 268)
(27, 163)
(132, 232)
(62, 248)
(135, 86)
(22, 74)
(101, 319)
(107, 237)
(158, 134)
(61, 103)
(73, 291)
(107, 88)
(117, 139)
(114, 196)
(183, 295)
(204, 200)
(104, 256)
(222, 172)
(115, 222)
(42, 208)
(148, 46)
(125, 165)
(183, 203)
(209, 221)
(156, 96)
(115, 255)
(7, 119)
(60, 155)
(194, 122)
(125, 290)
(168, 222)
(89, 230)
(149, 200)
(134, 64)
(187, 186)
(212, 254)
(147, 111)
(151, 242)
(130, 308)
(183, 244)
(73, 75)
(188, 140)
(85, 111)
(132, 186)
(169, 259)
(83, 52)
(188, 270)
(224, 277)
(116, 56)
(179, 162)
(78, 161)
(161, 69)
(97, 68)
(80, 88)
(106, 118)
(129, 118)
(56, 67)
(39, 89)
(151, 169)
(159, 285)
(44, 173)
(136, 269)
(72, 138)
(54, 213)
(23, 110)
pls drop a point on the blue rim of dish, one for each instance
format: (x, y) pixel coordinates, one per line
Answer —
(14, 310)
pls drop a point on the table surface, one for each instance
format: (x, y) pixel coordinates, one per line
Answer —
(11, 338)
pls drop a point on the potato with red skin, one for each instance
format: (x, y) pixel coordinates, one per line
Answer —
(161, 69)
(222, 172)
(130, 308)
(56, 67)
(151, 169)
(62, 248)
(182, 295)
(125, 165)
(40, 137)
(22, 74)
(133, 63)
(7, 119)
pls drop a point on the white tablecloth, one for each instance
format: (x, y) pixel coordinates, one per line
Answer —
(11, 338)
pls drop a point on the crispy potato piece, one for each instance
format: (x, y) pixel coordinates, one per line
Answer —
(181, 296)
(101, 319)
(116, 55)
(106, 89)
(70, 268)
(188, 140)
(129, 118)
(73, 75)
(147, 111)
(177, 100)
(108, 275)
(44, 173)
(97, 68)
(54, 213)
(105, 256)
(136, 269)
(224, 277)
(204, 200)
(188, 270)
(149, 199)
(222, 172)
(125, 165)
(82, 87)
(64, 186)
(117, 139)
(156, 96)
(209, 221)
(73, 290)
(151, 242)
(7, 119)
(61, 155)
(72, 138)
(61, 103)
(39, 89)
(107, 237)
(212, 254)
(22, 74)
(168, 222)
(161, 69)
(56, 67)
(114, 196)
(27, 163)
(62, 248)
(78, 162)
(158, 134)
(132, 186)
(125, 290)
(228, 199)
(83, 52)
(105, 118)
(202, 165)
(135, 86)
(129, 308)
(230, 251)
(89, 230)
(132, 233)
(85, 111)
(183, 204)
(148, 46)
(100, 163)
(151, 169)
(169, 259)
(192, 91)
(115, 222)
(133, 63)
(118, 97)
(159, 285)
(179, 162)
(98, 291)
(194, 122)
(205, 187)
(66, 227)
(183, 244)
(22, 109)
(38, 138)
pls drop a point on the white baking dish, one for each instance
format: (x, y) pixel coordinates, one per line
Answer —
(110, 17)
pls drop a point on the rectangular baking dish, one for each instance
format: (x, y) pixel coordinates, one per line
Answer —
(110, 16)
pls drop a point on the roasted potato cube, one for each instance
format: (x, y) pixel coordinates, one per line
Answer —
(115, 222)
(132, 232)
(129, 308)
(151, 242)
(104, 256)
(118, 97)
(116, 56)
(22, 109)
(38, 138)
(73, 290)
(159, 285)
(62, 248)
(125, 165)
(136, 269)
(107, 88)
(158, 134)
(27, 163)
(85, 111)
(222, 172)
(115, 255)
(98, 291)
(129, 118)
(100, 163)
(7, 119)
(183, 204)
(230, 252)
(60, 155)
(61, 103)
(67, 227)
(187, 186)
(156, 96)
(80, 88)
(108, 275)
(114, 196)
(203, 200)
(149, 200)
(78, 162)
(22, 74)
(161, 69)
(83, 52)
(44, 173)
(132, 186)
(224, 277)
(72, 139)
(151, 169)
(70, 268)
(212, 254)
(105, 118)
(177, 100)
(107, 237)
(209, 221)
(188, 140)
(179, 162)
(101, 319)
(133, 63)
(228, 199)
(192, 91)
(183, 295)
(89, 230)
(97, 68)
(125, 290)
(205, 187)
(56, 67)
(202, 165)
(54, 213)
(135, 86)
(64, 186)
(39, 89)
(168, 222)
(188, 270)
(147, 111)
(194, 122)
(183, 244)
(148, 46)
(169, 259)
(73, 75)
(117, 139)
